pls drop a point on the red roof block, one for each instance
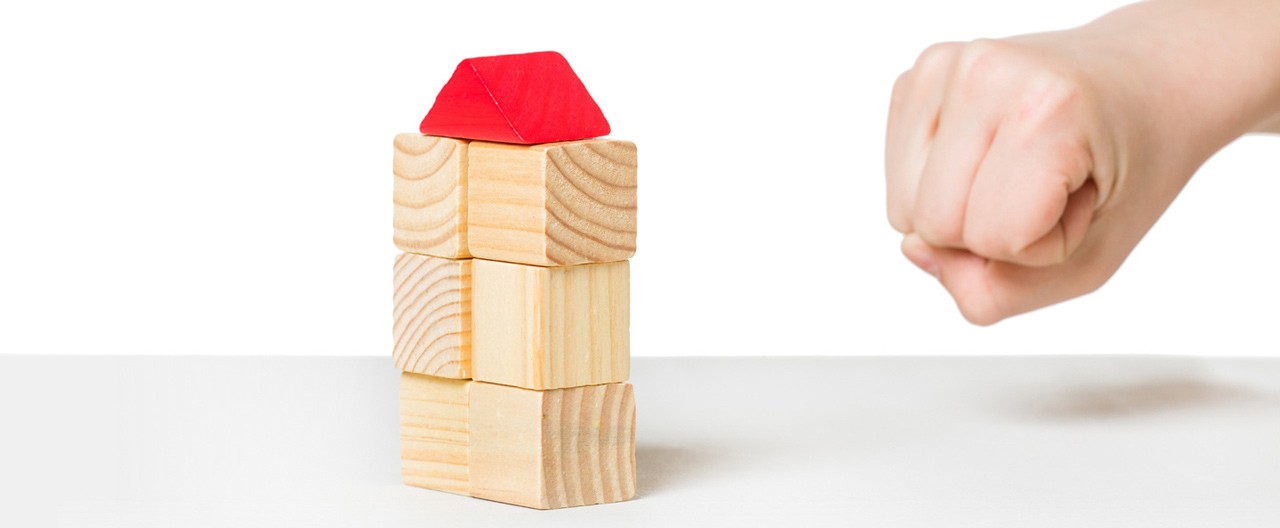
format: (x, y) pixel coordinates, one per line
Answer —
(526, 99)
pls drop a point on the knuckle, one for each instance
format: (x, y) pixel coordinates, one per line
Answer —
(980, 61)
(901, 84)
(899, 95)
(933, 66)
(937, 57)
(1048, 97)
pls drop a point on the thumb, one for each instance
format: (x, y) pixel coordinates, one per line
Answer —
(962, 273)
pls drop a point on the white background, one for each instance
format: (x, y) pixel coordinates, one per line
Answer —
(214, 178)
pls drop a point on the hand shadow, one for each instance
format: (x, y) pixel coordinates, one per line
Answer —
(1137, 398)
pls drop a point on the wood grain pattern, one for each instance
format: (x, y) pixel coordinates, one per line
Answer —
(432, 315)
(431, 195)
(555, 204)
(548, 328)
(435, 432)
(553, 449)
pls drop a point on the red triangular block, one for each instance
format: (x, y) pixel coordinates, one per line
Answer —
(528, 98)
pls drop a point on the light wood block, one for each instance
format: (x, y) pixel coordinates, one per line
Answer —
(553, 449)
(548, 328)
(554, 204)
(432, 315)
(431, 195)
(435, 432)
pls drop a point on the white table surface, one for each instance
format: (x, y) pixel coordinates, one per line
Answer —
(938, 442)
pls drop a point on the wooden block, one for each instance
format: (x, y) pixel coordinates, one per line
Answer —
(553, 449)
(431, 195)
(432, 315)
(435, 432)
(556, 204)
(525, 98)
(547, 328)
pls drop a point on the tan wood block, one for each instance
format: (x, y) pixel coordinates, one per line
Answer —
(435, 432)
(553, 449)
(554, 204)
(431, 195)
(548, 328)
(432, 315)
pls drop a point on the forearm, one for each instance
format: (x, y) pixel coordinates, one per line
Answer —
(1216, 65)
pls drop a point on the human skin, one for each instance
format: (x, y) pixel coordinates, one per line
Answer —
(1023, 171)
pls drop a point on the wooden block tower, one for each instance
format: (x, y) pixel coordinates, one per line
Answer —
(512, 309)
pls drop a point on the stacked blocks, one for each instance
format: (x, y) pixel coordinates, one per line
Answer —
(511, 299)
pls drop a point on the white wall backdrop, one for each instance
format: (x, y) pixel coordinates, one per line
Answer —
(214, 178)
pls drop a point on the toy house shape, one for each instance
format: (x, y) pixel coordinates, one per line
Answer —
(526, 99)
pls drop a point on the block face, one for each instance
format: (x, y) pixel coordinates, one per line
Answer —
(432, 315)
(547, 328)
(525, 98)
(506, 426)
(431, 195)
(553, 449)
(557, 204)
(435, 432)
(588, 439)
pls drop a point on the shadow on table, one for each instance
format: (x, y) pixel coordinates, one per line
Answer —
(662, 468)
(1102, 401)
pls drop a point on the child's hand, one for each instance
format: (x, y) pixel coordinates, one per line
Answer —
(1023, 171)
(1001, 167)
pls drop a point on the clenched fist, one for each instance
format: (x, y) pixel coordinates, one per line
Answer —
(1023, 171)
